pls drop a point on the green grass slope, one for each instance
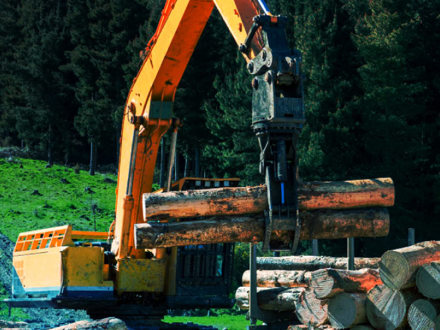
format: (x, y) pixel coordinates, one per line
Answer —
(35, 197)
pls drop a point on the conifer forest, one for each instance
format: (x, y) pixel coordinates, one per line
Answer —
(372, 93)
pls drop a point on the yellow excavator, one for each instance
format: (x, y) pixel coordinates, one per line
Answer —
(103, 272)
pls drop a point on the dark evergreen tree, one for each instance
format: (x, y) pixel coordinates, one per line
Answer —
(399, 42)
(42, 119)
(10, 91)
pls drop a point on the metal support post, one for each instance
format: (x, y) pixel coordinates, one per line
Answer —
(350, 253)
(411, 236)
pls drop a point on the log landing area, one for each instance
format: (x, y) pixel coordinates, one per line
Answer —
(328, 210)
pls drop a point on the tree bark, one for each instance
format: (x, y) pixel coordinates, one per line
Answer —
(196, 162)
(398, 267)
(311, 310)
(329, 282)
(317, 224)
(386, 308)
(428, 280)
(422, 314)
(110, 323)
(346, 310)
(249, 200)
(271, 299)
(311, 263)
(92, 165)
(278, 278)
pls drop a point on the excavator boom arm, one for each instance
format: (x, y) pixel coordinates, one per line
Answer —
(148, 109)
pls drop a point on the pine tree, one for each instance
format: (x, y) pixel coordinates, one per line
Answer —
(399, 42)
(42, 118)
(10, 92)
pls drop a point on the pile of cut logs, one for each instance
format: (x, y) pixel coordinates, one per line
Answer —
(399, 290)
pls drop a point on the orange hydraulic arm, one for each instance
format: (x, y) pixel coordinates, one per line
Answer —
(148, 109)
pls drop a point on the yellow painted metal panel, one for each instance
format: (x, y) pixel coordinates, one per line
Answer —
(140, 275)
(83, 266)
(39, 269)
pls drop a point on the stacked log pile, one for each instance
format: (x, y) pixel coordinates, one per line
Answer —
(399, 290)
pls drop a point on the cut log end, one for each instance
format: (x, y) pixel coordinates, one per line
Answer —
(398, 267)
(311, 310)
(422, 314)
(394, 269)
(428, 280)
(346, 310)
(385, 307)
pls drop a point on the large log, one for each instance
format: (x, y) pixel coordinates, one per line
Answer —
(278, 278)
(310, 310)
(248, 200)
(428, 280)
(346, 310)
(386, 308)
(311, 263)
(110, 323)
(422, 314)
(398, 267)
(271, 299)
(328, 282)
(315, 225)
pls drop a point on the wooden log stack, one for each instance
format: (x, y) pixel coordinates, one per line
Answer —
(328, 210)
(399, 290)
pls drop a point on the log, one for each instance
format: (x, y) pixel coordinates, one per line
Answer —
(346, 310)
(311, 263)
(422, 314)
(303, 326)
(315, 225)
(328, 282)
(270, 299)
(278, 278)
(398, 267)
(362, 327)
(107, 323)
(310, 310)
(428, 280)
(386, 308)
(437, 322)
(248, 200)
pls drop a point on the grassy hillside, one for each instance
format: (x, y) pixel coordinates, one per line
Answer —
(35, 197)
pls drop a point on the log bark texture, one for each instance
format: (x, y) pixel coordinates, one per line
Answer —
(398, 267)
(315, 225)
(311, 310)
(346, 310)
(386, 308)
(428, 280)
(329, 282)
(248, 200)
(311, 263)
(278, 278)
(110, 323)
(270, 299)
(422, 314)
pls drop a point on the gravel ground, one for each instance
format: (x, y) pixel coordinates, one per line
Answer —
(38, 318)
